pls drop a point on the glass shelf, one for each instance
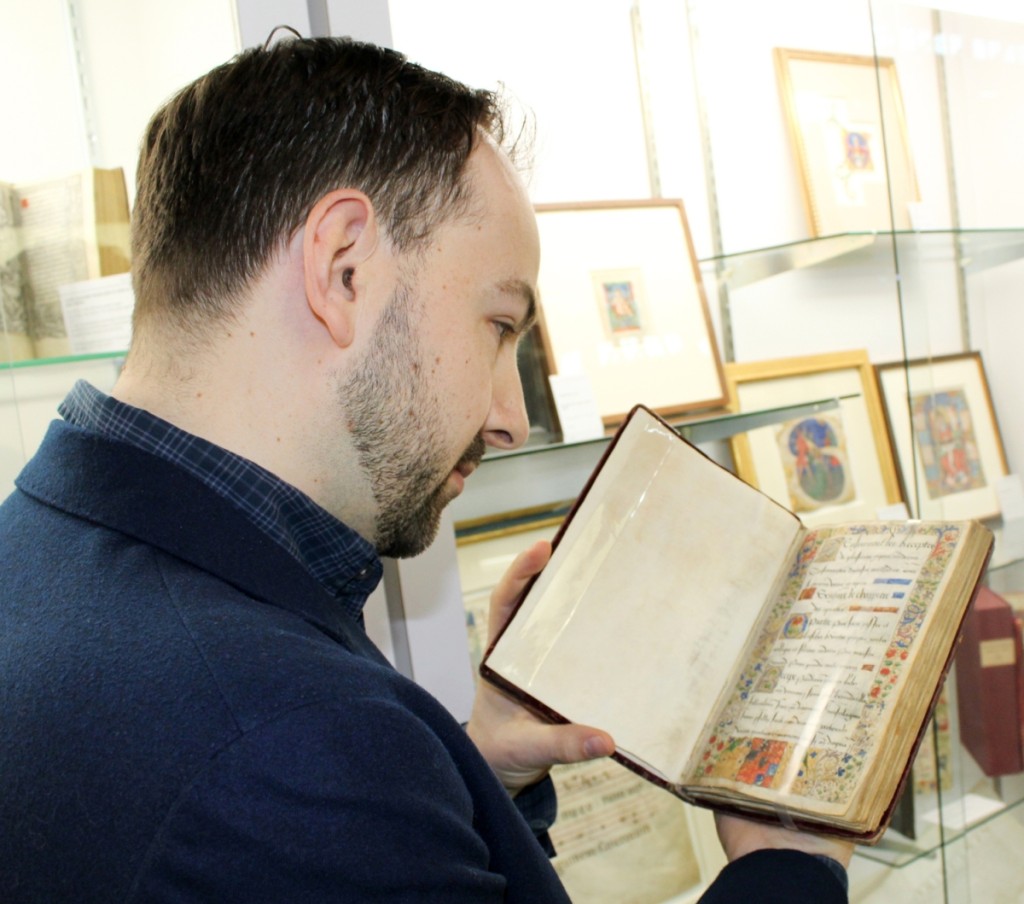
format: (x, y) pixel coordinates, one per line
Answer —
(747, 267)
(974, 250)
(543, 474)
(700, 428)
(960, 815)
(66, 359)
(985, 249)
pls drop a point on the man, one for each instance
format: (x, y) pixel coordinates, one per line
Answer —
(333, 260)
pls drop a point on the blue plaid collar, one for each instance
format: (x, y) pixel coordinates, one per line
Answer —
(345, 563)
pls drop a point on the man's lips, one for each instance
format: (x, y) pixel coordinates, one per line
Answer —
(465, 468)
(467, 464)
(460, 472)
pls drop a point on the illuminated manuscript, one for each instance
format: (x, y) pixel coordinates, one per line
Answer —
(740, 660)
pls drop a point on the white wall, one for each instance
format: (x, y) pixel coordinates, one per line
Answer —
(132, 55)
(571, 63)
(136, 55)
(39, 106)
(69, 104)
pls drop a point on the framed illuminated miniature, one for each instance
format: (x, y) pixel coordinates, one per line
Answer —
(944, 428)
(623, 305)
(847, 125)
(832, 466)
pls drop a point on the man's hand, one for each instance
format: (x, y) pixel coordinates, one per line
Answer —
(742, 836)
(519, 746)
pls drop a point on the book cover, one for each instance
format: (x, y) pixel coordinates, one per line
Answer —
(739, 659)
(988, 683)
(16, 341)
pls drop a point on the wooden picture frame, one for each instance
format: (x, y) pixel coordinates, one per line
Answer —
(943, 426)
(622, 302)
(532, 363)
(845, 117)
(506, 524)
(833, 466)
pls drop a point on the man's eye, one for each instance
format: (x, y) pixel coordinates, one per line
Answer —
(505, 330)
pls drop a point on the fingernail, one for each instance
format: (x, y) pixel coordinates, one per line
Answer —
(595, 747)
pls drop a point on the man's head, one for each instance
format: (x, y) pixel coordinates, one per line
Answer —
(333, 261)
(231, 166)
(439, 380)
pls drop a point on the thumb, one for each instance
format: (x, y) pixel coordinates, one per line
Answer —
(565, 744)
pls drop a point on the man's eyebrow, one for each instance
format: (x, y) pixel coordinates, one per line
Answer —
(525, 291)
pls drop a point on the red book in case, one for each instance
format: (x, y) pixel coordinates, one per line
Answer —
(988, 684)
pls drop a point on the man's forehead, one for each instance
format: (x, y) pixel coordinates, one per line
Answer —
(491, 163)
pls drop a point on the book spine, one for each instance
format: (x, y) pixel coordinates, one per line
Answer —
(15, 340)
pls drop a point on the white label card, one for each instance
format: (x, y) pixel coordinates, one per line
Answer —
(577, 407)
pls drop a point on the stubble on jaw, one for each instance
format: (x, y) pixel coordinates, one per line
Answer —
(394, 421)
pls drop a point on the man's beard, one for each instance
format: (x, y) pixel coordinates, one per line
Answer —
(395, 424)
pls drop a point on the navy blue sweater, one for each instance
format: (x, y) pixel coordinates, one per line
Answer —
(187, 716)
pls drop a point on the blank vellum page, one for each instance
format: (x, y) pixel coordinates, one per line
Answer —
(639, 618)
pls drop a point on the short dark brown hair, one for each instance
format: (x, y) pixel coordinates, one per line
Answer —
(231, 166)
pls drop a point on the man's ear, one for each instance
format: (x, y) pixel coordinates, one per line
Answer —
(340, 234)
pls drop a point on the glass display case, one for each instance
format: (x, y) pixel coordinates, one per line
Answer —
(667, 100)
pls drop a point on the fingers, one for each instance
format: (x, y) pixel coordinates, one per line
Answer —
(508, 590)
(548, 744)
(741, 836)
(538, 747)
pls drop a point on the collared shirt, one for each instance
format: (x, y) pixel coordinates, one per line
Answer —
(345, 563)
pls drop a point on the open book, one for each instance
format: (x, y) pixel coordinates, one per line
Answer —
(53, 233)
(738, 659)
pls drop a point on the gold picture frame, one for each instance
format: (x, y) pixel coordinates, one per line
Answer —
(833, 466)
(943, 425)
(846, 120)
(623, 304)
